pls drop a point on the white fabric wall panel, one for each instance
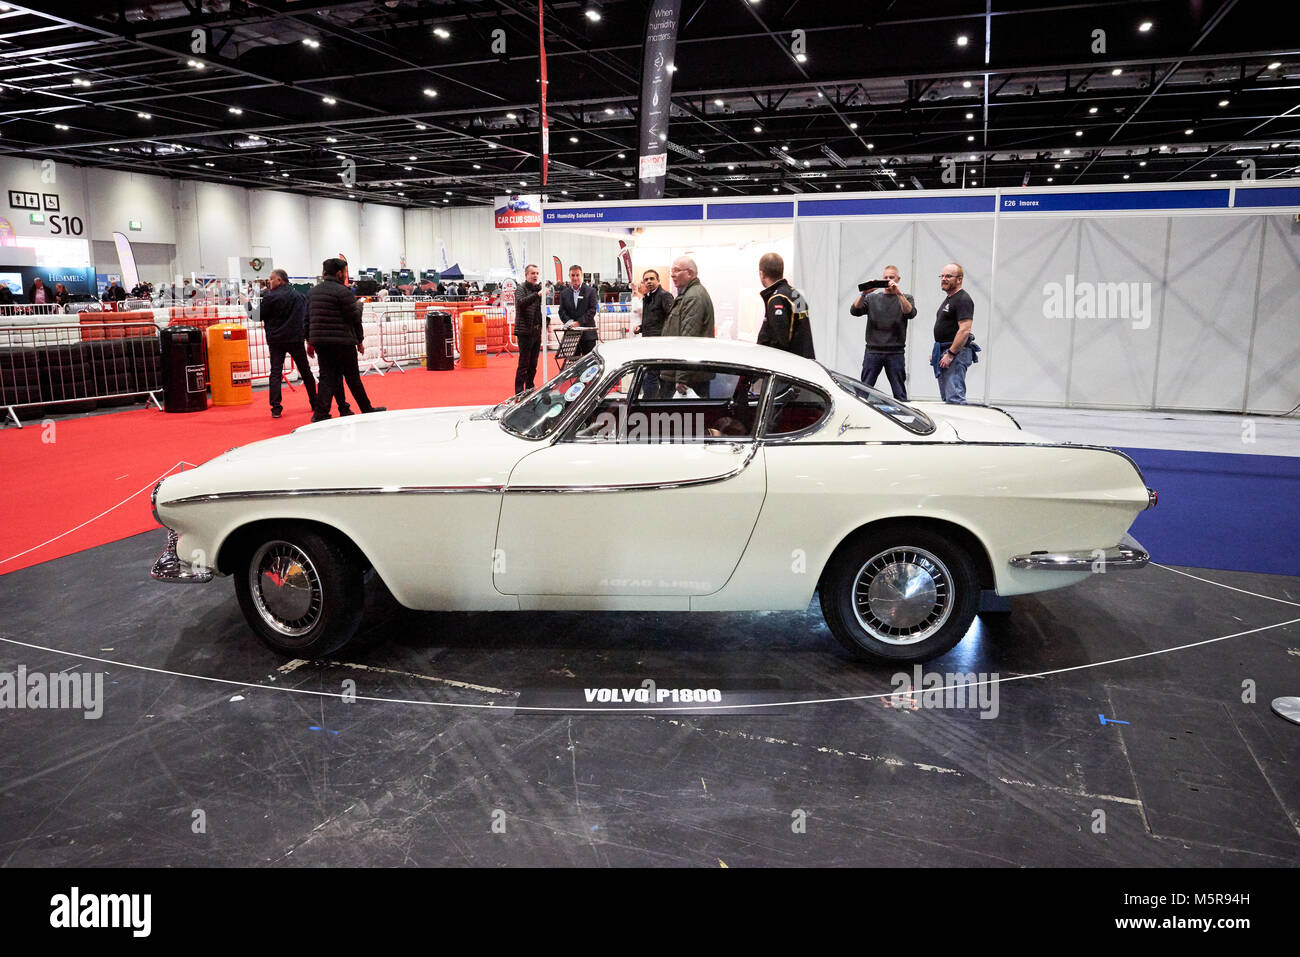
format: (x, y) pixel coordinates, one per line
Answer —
(1275, 353)
(1114, 357)
(335, 228)
(383, 237)
(970, 243)
(421, 251)
(1030, 355)
(116, 198)
(221, 215)
(1211, 281)
(868, 248)
(816, 269)
(281, 223)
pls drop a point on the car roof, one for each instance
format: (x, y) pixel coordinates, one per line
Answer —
(695, 349)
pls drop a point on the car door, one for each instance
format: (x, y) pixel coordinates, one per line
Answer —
(638, 498)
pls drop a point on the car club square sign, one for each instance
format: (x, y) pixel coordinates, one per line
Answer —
(519, 212)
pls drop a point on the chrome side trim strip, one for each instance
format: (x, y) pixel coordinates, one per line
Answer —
(642, 487)
(1127, 554)
(323, 492)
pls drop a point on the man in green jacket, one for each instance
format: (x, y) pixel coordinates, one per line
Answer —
(691, 315)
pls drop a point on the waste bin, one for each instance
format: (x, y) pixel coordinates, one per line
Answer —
(473, 340)
(232, 383)
(184, 381)
(439, 342)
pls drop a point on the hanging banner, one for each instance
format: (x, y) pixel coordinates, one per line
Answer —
(518, 212)
(126, 257)
(559, 270)
(656, 94)
(546, 130)
(626, 255)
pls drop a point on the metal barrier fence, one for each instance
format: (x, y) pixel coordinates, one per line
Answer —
(36, 309)
(55, 364)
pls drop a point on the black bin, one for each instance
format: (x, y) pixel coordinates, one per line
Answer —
(185, 381)
(439, 342)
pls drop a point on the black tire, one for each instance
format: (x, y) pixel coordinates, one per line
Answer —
(893, 623)
(322, 580)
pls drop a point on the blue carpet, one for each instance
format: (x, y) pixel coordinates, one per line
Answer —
(1222, 510)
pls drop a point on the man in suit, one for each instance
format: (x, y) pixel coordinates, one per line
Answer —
(578, 308)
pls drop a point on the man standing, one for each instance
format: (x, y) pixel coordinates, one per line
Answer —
(283, 312)
(578, 308)
(888, 311)
(114, 292)
(528, 327)
(335, 333)
(691, 315)
(655, 306)
(954, 344)
(785, 323)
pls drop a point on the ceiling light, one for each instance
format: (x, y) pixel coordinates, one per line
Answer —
(593, 14)
(729, 165)
(838, 186)
(1056, 166)
(757, 128)
(625, 183)
(196, 64)
(269, 162)
(1049, 179)
(973, 157)
(448, 192)
(145, 116)
(476, 166)
(234, 109)
(308, 41)
(801, 58)
(1144, 26)
(407, 168)
(492, 146)
(1065, 152)
(1187, 132)
(871, 146)
(690, 179)
(564, 192)
(963, 40)
(420, 126)
(622, 156)
(209, 164)
(399, 184)
(974, 182)
(352, 195)
(114, 149)
(328, 100)
(441, 33)
(1092, 109)
(700, 151)
(523, 183)
(785, 148)
(715, 189)
(1223, 103)
(330, 139)
(965, 84)
(600, 195)
(970, 139)
(671, 68)
(430, 91)
(1142, 162)
(446, 201)
(1116, 72)
(775, 190)
(1275, 64)
(284, 174)
(1078, 132)
(609, 111)
(511, 116)
(1214, 176)
(573, 139)
(401, 194)
(970, 116)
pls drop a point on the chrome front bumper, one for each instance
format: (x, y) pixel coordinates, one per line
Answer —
(170, 568)
(1127, 554)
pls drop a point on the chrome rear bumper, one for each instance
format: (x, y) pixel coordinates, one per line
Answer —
(170, 568)
(1127, 554)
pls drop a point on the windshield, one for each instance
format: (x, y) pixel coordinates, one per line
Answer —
(539, 412)
(906, 416)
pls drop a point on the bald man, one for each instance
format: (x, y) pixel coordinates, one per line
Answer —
(691, 315)
(954, 342)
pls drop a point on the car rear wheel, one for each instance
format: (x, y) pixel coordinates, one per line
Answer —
(900, 595)
(301, 591)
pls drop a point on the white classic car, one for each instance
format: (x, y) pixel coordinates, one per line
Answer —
(658, 474)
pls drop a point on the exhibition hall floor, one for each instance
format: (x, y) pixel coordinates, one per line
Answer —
(1123, 721)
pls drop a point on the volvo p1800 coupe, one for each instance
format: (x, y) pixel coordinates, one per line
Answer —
(662, 475)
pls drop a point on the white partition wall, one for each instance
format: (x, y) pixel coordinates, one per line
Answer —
(1180, 296)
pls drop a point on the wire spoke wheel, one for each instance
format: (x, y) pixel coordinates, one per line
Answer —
(903, 595)
(286, 588)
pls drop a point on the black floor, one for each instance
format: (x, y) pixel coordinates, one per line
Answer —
(1197, 777)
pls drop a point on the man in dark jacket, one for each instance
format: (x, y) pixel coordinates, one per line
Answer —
(785, 323)
(528, 327)
(655, 306)
(114, 292)
(283, 312)
(578, 306)
(334, 332)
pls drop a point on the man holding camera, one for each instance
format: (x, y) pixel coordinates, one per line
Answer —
(888, 310)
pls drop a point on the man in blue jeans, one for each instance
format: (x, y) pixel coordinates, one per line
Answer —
(888, 311)
(954, 344)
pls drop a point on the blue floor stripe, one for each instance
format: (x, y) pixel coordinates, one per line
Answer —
(1222, 510)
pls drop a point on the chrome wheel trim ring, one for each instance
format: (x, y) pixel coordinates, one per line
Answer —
(902, 595)
(286, 588)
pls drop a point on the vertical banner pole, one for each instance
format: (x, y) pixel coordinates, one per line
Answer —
(656, 96)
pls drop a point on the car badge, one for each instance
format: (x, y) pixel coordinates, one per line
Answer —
(575, 390)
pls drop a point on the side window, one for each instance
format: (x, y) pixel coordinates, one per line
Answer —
(794, 408)
(607, 420)
(675, 404)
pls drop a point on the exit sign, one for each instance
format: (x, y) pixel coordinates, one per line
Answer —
(135, 225)
(36, 218)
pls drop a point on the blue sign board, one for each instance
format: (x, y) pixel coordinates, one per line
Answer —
(1126, 200)
(1271, 196)
(624, 214)
(751, 210)
(896, 206)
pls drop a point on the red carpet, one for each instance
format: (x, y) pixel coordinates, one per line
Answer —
(61, 476)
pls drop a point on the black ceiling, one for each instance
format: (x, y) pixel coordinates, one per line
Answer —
(885, 99)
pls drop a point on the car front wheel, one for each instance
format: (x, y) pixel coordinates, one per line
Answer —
(900, 596)
(301, 591)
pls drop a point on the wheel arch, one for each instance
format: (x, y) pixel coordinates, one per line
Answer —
(240, 540)
(963, 536)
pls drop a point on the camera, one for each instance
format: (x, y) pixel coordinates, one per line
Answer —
(873, 284)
